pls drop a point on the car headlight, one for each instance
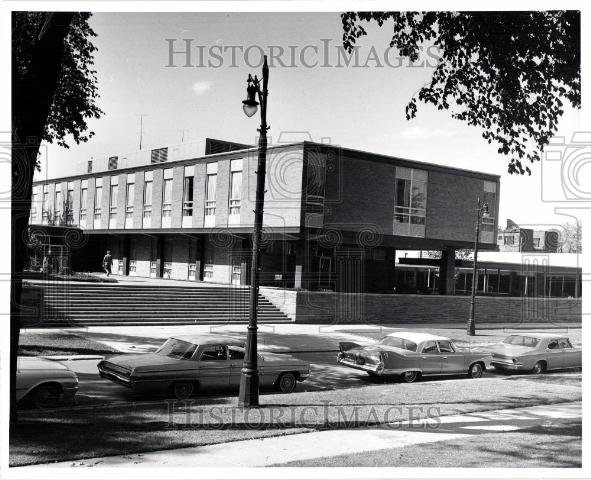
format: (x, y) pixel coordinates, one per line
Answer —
(514, 360)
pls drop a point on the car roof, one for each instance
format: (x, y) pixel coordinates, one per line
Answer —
(417, 337)
(207, 339)
(539, 335)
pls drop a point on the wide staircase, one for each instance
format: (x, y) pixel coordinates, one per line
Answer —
(72, 304)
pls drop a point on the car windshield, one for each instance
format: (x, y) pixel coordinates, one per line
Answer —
(399, 343)
(177, 349)
(521, 340)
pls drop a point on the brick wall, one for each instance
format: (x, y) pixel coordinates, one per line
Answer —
(343, 308)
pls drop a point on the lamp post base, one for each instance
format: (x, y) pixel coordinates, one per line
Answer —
(249, 390)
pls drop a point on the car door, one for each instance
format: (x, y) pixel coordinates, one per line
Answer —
(236, 356)
(430, 358)
(214, 366)
(451, 361)
(571, 357)
(554, 354)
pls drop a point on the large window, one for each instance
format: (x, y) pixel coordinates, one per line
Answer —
(210, 193)
(488, 223)
(45, 205)
(147, 210)
(167, 198)
(83, 202)
(129, 199)
(188, 196)
(113, 202)
(58, 203)
(98, 201)
(410, 209)
(33, 218)
(69, 213)
(235, 190)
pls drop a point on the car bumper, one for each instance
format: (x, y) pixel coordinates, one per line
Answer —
(506, 365)
(116, 377)
(69, 392)
(377, 369)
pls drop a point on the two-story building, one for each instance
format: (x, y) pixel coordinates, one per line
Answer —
(333, 217)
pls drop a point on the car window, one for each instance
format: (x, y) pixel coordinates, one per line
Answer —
(564, 343)
(213, 353)
(521, 340)
(177, 349)
(430, 347)
(445, 346)
(399, 343)
(236, 354)
(553, 344)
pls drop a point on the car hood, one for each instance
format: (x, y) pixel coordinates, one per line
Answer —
(147, 360)
(39, 363)
(509, 350)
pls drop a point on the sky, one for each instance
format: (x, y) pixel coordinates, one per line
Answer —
(360, 108)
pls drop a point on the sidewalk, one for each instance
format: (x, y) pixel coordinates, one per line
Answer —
(330, 443)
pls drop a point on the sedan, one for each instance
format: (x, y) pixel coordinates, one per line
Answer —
(44, 382)
(185, 364)
(413, 354)
(536, 353)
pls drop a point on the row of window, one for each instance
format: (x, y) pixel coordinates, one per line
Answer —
(57, 216)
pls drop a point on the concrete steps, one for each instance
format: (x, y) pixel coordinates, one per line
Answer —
(98, 304)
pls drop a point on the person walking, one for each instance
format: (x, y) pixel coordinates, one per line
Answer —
(107, 263)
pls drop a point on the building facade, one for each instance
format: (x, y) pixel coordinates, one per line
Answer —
(514, 238)
(333, 217)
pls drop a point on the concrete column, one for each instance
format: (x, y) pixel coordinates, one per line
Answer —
(125, 254)
(159, 254)
(446, 271)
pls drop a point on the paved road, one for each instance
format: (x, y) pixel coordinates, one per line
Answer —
(323, 446)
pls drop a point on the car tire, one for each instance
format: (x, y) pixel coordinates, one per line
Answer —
(409, 377)
(287, 382)
(46, 396)
(183, 390)
(539, 367)
(475, 370)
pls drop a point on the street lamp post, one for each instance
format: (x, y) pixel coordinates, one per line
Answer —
(249, 380)
(481, 212)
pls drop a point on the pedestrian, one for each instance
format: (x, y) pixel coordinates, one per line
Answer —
(107, 263)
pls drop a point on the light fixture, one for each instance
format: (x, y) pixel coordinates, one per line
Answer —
(250, 105)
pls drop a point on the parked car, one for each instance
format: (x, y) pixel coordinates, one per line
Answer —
(185, 364)
(413, 354)
(44, 382)
(535, 352)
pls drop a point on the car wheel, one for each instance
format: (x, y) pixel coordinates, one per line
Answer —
(539, 367)
(183, 390)
(287, 383)
(46, 396)
(475, 370)
(410, 377)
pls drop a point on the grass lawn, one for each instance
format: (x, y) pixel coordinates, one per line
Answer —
(538, 447)
(60, 343)
(88, 432)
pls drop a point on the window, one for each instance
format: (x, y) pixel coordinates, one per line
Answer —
(488, 222)
(167, 270)
(153, 269)
(159, 155)
(192, 271)
(45, 205)
(208, 272)
(70, 204)
(410, 209)
(553, 345)
(188, 193)
(430, 347)
(89, 167)
(113, 202)
(129, 199)
(98, 199)
(177, 348)
(236, 353)
(210, 189)
(445, 346)
(521, 340)
(509, 240)
(564, 343)
(132, 267)
(34, 206)
(83, 202)
(59, 203)
(537, 242)
(235, 187)
(399, 343)
(113, 163)
(147, 209)
(214, 353)
(167, 198)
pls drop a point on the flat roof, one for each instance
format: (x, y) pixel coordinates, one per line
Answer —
(370, 156)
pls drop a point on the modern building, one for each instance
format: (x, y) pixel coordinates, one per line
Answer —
(514, 238)
(333, 217)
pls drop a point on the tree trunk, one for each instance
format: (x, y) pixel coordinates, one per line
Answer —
(32, 97)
